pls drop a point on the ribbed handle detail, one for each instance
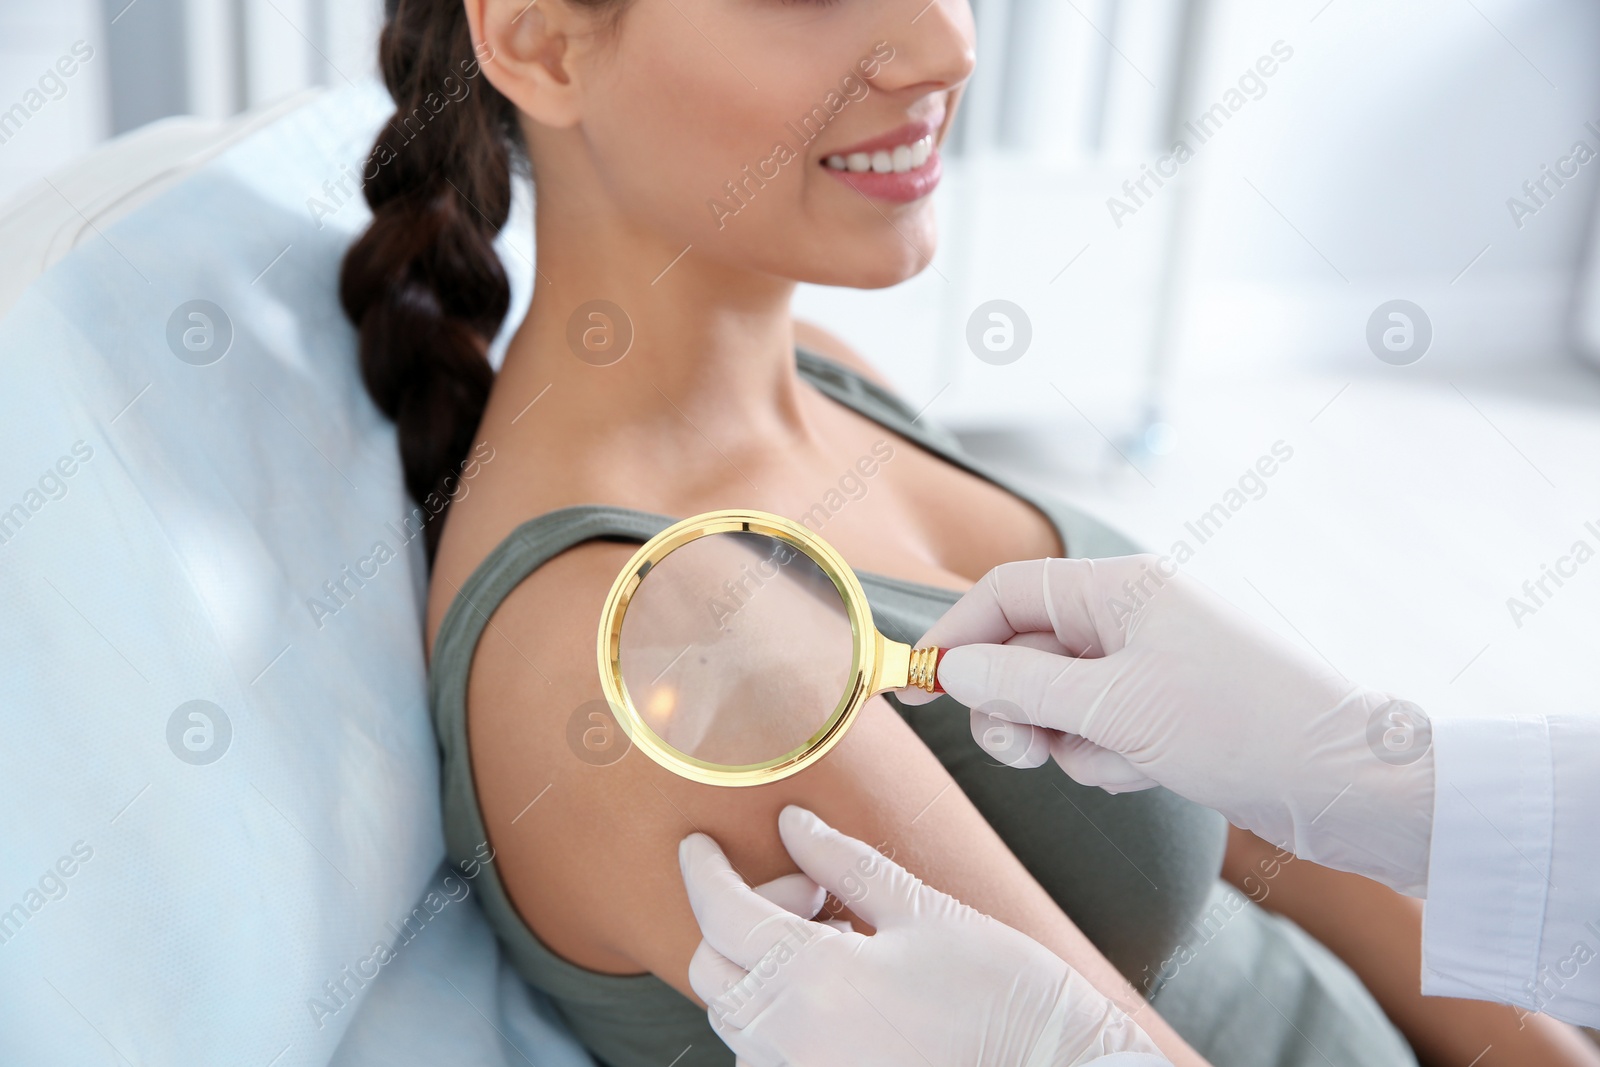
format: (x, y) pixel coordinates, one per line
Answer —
(924, 672)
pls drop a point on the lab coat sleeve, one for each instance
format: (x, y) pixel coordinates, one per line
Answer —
(1513, 907)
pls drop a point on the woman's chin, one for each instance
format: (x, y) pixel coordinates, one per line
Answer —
(880, 268)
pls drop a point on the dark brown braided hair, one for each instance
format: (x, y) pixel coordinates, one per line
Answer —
(423, 285)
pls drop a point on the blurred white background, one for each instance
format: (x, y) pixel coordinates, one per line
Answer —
(1375, 163)
(1176, 338)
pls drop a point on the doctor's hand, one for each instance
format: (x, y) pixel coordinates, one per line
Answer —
(937, 984)
(1131, 675)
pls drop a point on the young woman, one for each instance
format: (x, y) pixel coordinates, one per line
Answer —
(692, 161)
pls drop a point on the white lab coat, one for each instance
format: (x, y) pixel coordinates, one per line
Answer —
(1513, 908)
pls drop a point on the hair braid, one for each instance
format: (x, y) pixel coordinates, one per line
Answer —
(423, 285)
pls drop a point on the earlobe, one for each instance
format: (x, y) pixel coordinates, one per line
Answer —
(525, 52)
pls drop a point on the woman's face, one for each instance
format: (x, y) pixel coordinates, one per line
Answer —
(799, 138)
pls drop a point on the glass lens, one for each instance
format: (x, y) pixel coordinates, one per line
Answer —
(736, 648)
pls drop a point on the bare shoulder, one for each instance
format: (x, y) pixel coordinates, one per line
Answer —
(560, 807)
(810, 336)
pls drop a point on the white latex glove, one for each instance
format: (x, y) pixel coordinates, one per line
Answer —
(1131, 674)
(938, 983)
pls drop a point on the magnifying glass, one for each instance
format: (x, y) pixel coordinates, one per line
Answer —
(737, 647)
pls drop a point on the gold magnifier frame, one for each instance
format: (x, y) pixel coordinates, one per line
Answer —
(877, 662)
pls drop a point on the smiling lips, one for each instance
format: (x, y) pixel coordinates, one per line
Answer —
(900, 166)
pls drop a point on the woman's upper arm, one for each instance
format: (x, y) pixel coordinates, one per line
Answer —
(592, 865)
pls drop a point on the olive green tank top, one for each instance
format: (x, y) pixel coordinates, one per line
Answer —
(1133, 871)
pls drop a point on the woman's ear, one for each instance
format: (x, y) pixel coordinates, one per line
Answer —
(527, 49)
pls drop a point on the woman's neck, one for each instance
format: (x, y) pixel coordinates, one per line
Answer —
(712, 342)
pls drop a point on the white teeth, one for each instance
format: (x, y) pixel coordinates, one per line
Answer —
(900, 160)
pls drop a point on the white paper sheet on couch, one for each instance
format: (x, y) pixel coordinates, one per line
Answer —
(188, 882)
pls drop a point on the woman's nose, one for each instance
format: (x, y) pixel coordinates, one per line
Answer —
(934, 44)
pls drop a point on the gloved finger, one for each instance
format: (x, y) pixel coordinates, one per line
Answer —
(1010, 743)
(1043, 640)
(1000, 606)
(796, 893)
(1008, 600)
(1030, 595)
(736, 921)
(1058, 692)
(735, 997)
(911, 696)
(873, 886)
(1004, 736)
(749, 1051)
(1088, 764)
(714, 977)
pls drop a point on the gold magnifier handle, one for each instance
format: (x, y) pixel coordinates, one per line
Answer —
(900, 665)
